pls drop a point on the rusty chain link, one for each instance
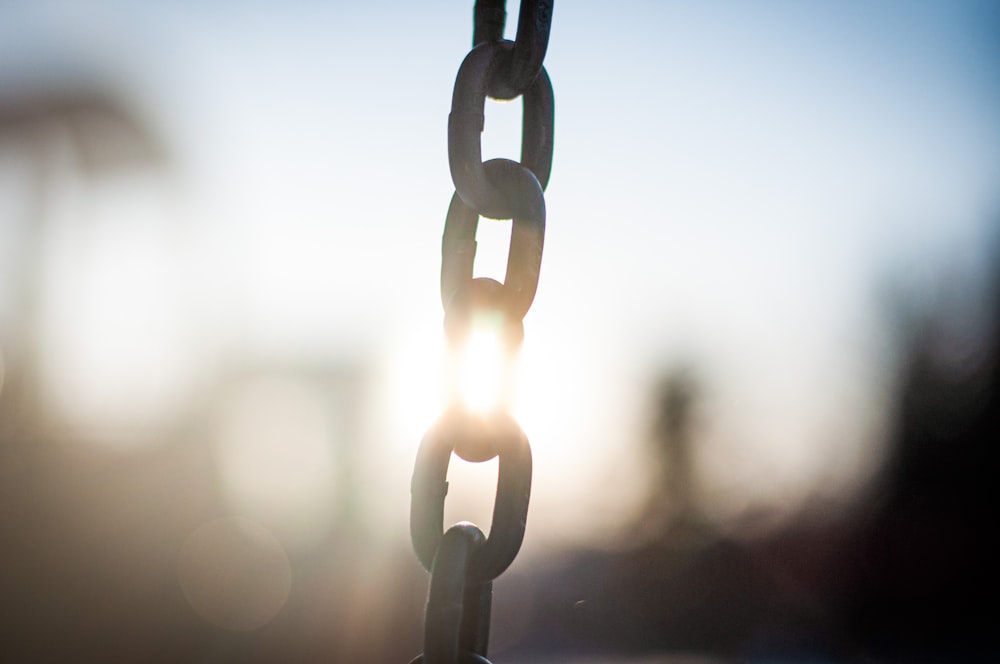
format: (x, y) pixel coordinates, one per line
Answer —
(462, 561)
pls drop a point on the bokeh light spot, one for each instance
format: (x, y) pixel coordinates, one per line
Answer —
(234, 573)
(274, 443)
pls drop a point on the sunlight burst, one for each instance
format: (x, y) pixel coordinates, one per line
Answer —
(482, 371)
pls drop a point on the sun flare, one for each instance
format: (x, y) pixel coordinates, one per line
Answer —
(482, 372)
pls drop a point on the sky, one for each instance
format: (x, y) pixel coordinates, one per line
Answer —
(739, 188)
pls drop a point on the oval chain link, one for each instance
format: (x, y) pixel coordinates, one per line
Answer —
(524, 258)
(476, 439)
(465, 126)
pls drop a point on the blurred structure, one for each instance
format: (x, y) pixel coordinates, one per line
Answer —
(44, 124)
(673, 501)
(920, 574)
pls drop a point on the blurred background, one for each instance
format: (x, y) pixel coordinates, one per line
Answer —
(759, 376)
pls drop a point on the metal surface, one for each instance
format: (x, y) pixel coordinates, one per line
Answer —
(462, 562)
(517, 69)
(478, 439)
(481, 295)
(446, 597)
(524, 258)
(533, 24)
(489, 19)
(467, 120)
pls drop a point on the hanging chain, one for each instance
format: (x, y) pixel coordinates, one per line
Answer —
(463, 561)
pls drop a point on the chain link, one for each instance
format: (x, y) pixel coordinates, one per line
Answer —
(475, 439)
(524, 258)
(463, 561)
(466, 123)
(519, 68)
(446, 633)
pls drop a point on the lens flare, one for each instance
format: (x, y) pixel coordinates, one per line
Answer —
(234, 573)
(483, 370)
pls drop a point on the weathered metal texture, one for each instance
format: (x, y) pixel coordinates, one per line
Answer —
(473, 438)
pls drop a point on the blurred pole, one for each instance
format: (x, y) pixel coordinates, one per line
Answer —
(673, 495)
(102, 135)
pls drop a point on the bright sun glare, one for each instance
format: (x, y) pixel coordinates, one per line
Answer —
(482, 371)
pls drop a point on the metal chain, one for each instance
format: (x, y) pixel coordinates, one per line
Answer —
(463, 561)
